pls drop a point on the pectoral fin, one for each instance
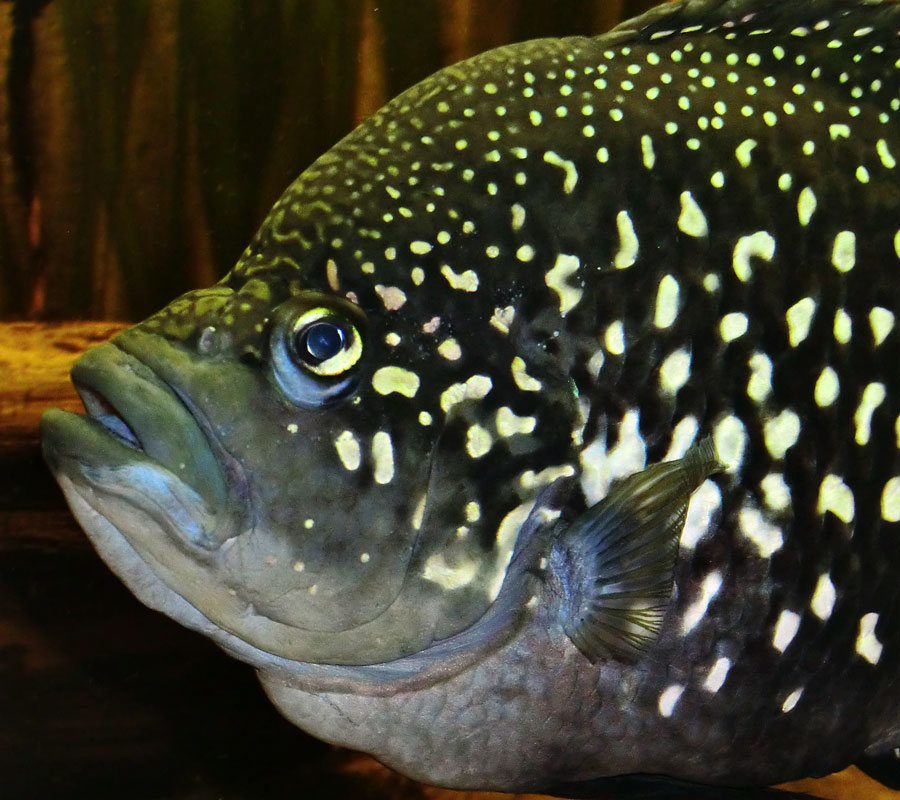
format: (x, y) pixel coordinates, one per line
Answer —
(618, 558)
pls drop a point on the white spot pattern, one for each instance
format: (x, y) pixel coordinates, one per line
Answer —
(697, 610)
(867, 644)
(669, 699)
(715, 678)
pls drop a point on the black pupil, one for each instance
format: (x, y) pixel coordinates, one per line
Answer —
(323, 340)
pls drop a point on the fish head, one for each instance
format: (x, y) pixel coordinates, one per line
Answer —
(324, 462)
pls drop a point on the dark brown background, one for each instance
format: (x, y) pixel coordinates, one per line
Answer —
(141, 143)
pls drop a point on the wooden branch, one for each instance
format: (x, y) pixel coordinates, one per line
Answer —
(35, 359)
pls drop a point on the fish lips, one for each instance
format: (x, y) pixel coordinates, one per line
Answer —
(138, 447)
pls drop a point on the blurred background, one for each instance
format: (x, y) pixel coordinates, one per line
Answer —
(143, 141)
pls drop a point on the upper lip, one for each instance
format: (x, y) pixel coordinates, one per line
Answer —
(99, 407)
(140, 410)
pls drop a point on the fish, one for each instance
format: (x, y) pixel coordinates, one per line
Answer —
(546, 436)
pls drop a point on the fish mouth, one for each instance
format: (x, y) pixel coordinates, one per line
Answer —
(138, 450)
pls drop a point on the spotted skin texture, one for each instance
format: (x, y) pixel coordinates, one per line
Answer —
(576, 258)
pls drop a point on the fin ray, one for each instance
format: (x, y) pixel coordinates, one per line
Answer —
(619, 556)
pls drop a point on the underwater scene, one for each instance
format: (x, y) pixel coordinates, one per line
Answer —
(449, 399)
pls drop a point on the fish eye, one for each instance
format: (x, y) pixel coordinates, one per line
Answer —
(326, 344)
(316, 346)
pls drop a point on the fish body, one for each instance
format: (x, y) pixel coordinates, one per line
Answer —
(548, 429)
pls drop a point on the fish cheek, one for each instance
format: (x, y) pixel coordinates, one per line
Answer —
(332, 537)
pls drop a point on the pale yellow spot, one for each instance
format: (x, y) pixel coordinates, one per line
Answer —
(682, 438)
(781, 433)
(348, 450)
(417, 275)
(873, 396)
(438, 571)
(518, 216)
(890, 501)
(777, 495)
(744, 152)
(383, 456)
(536, 480)
(839, 131)
(785, 630)
(692, 221)
(568, 167)
(882, 322)
(669, 699)
(843, 256)
(759, 386)
(824, 597)
(867, 644)
(733, 326)
(450, 349)
(392, 297)
(475, 388)
(425, 419)
(331, 272)
(502, 318)
(628, 241)
(395, 379)
(715, 678)
(884, 153)
(464, 282)
(419, 513)
(647, 151)
(675, 371)
(835, 496)
(806, 206)
(757, 529)
(799, 318)
(523, 380)
(557, 279)
(791, 700)
(697, 609)
(759, 245)
(510, 424)
(479, 441)
(843, 326)
(614, 338)
(666, 302)
(730, 439)
(473, 511)
(828, 387)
